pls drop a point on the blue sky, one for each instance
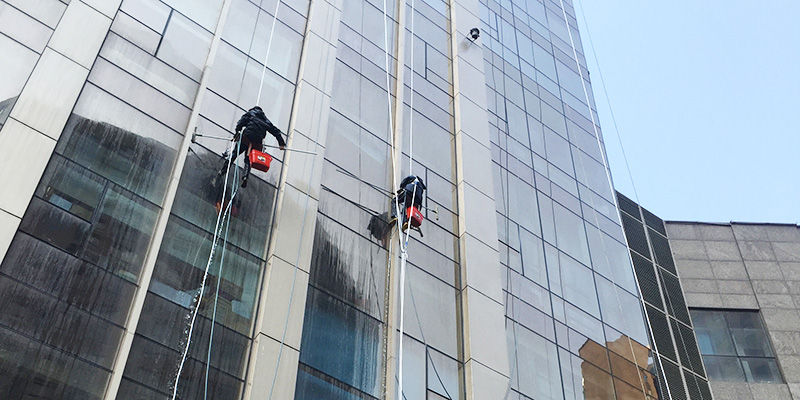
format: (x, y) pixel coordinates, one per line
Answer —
(706, 96)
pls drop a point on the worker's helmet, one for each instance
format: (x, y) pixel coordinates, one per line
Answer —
(257, 109)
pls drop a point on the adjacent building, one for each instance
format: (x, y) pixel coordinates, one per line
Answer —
(741, 284)
(110, 117)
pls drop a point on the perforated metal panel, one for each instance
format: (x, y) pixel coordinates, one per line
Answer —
(674, 380)
(654, 222)
(629, 206)
(634, 231)
(646, 274)
(673, 296)
(697, 387)
(662, 251)
(661, 333)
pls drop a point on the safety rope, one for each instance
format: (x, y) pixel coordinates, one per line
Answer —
(227, 225)
(217, 231)
(616, 205)
(269, 47)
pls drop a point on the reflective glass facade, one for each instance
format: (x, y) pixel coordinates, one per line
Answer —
(520, 288)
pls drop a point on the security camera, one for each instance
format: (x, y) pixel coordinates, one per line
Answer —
(473, 34)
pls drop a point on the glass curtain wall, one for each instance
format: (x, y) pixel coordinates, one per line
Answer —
(25, 29)
(232, 287)
(342, 355)
(574, 320)
(77, 259)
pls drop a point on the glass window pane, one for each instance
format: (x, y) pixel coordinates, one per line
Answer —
(71, 187)
(31, 369)
(342, 342)
(185, 45)
(121, 144)
(122, 233)
(761, 370)
(725, 369)
(712, 333)
(748, 334)
(55, 226)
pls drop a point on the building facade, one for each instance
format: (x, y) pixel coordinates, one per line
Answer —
(521, 288)
(741, 286)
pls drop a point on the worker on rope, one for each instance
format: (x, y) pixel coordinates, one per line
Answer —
(253, 127)
(409, 196)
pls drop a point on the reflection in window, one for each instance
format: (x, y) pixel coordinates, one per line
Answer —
(735, 346)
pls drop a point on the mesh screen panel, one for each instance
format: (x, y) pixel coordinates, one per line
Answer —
(628, 205)
(674, 380)
(661, 336)
(662, 251)
(673, 296)
(646, 275)
(634, 231)
(654, 222)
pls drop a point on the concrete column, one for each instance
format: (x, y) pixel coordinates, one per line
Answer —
(30, 134)
(275, 354)
(485, 354)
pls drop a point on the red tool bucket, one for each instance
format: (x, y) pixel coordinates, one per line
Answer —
(259, 160)
(414, 216)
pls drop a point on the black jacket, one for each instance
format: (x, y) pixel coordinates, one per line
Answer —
(256, 125)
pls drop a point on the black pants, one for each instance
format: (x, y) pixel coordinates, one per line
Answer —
(244, 146)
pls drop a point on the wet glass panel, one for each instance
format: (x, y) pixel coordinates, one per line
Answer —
(149, 361)
(342, 342)
(348, 266)
(55, 226)
(314, 385)
(167, 323)
(121, 233)
(57, 324)
(114, 140)
(251, 212)
(181, 265)
(31, 369)
(81, 284)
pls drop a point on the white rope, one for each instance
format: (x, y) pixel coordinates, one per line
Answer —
(217, 231)
(269, 47)
(227, 225)
(614, 198)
